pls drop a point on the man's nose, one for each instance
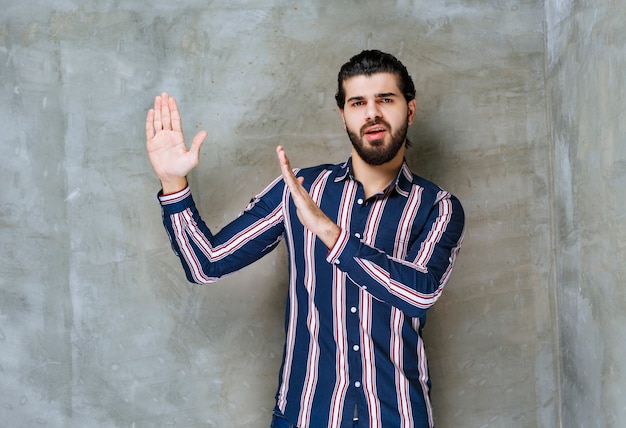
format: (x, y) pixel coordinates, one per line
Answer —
(372, 111)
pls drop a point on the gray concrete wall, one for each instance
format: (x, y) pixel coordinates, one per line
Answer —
(97, 324)
(587, 95)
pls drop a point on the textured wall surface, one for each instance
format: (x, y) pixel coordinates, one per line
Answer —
(587, 99)
(98, 326)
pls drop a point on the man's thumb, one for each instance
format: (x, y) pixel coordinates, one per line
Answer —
(198, 140)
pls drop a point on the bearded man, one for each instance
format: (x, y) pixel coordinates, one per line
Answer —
(371, 247)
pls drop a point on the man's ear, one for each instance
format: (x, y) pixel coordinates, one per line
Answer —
(343, 119)
(412, 106)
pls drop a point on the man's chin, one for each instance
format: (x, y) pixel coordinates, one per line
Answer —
(375, 143)
(374, 157)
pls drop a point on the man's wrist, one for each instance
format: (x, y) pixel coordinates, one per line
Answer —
(329, 234)
(174, 185)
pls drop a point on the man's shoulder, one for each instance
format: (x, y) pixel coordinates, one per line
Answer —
(425, 183)
(429, 189)
(319, 169)
(419, 181)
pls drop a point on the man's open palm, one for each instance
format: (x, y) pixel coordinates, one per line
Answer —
(169, 156)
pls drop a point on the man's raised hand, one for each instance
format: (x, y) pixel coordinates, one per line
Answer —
(311, 216)
(169, 156)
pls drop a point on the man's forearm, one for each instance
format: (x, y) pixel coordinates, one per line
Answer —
(325, 230)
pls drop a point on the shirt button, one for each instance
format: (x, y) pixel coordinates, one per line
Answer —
(353, 309)
(337, 262)
(357, 384)
(358, 235)
(356, 347)
(359, 201)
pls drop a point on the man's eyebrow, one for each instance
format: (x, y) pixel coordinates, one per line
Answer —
(381, 95)
(386, 95)
(357, 98)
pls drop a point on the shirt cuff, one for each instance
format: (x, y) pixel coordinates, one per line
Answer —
(344, 247)
(177, 201)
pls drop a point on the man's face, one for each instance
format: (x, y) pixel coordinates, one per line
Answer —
(376, 117)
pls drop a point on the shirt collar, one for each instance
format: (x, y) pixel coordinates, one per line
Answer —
(402, 184)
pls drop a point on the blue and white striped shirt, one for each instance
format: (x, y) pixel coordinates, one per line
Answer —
(354, 312)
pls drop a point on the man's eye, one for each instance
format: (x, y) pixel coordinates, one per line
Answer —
(358, 103)
(386, 100)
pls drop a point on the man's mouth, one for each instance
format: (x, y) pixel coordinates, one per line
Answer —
(375, 132)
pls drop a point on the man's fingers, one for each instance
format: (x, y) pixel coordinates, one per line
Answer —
(165, 112)
(150, 125)
(158, 124)
(294, 183)
(175, 115)
(285, 166)
(164, 116)
(283, 160)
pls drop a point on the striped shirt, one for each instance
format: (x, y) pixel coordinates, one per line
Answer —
(355, 312)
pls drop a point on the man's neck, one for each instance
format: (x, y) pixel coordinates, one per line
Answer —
(376, 178)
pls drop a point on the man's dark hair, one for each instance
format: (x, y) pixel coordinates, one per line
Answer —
(370, 62)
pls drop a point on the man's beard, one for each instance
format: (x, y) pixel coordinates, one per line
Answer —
(376, 152)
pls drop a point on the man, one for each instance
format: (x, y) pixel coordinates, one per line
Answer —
(370, 246)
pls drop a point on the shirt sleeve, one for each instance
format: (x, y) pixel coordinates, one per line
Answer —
(415, 283)
(207, 257)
